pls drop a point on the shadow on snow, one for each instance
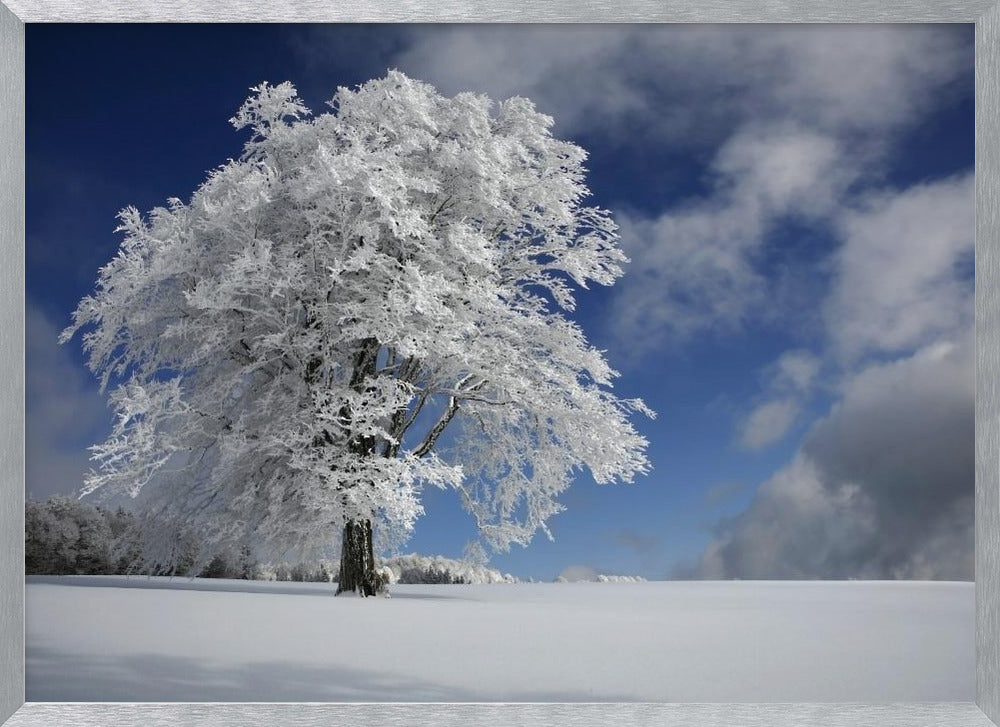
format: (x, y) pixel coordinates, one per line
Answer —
(54, 675)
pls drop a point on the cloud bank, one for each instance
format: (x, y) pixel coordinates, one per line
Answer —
(881, 487)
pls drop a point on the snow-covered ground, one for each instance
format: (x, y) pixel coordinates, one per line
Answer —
(106, 638)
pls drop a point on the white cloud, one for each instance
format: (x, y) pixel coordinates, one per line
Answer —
(692, 83)
(865, 77)
(795, 371)
(695, 268)
(768, 423)
(788, 382)
(63, 410)
(903, 272)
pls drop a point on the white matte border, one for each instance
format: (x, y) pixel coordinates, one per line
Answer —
(986, 15)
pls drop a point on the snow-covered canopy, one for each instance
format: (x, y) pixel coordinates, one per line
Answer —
(285, 350)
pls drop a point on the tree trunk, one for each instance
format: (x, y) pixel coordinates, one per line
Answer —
(357, 560)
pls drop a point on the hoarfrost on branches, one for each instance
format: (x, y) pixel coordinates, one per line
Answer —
(286, 350)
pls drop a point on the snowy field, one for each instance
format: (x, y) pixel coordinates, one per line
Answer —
(107, 638)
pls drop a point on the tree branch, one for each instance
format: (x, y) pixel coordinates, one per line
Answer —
(449, 413)
(432, 436)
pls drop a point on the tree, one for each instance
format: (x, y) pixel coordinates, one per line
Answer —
(65, 536)
(287, 350)
(126, 553)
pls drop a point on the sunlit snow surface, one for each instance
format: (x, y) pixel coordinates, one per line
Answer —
(95, 638)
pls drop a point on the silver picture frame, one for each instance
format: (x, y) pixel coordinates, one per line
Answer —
(985, 14)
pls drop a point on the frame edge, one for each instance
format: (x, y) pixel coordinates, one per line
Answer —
(505, 11)
(987, 273)
(987, 517)
(12, 363)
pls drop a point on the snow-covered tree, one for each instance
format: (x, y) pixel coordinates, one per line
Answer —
(286, 351)
(415, 568)
(63, 536)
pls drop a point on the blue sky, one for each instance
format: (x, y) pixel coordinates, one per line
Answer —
(797, 204)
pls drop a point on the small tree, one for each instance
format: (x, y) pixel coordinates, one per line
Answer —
(288, 349)
(247, 563)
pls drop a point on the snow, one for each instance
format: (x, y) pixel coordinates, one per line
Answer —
(111, 638)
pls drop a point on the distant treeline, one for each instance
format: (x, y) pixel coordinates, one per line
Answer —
(64, 536)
